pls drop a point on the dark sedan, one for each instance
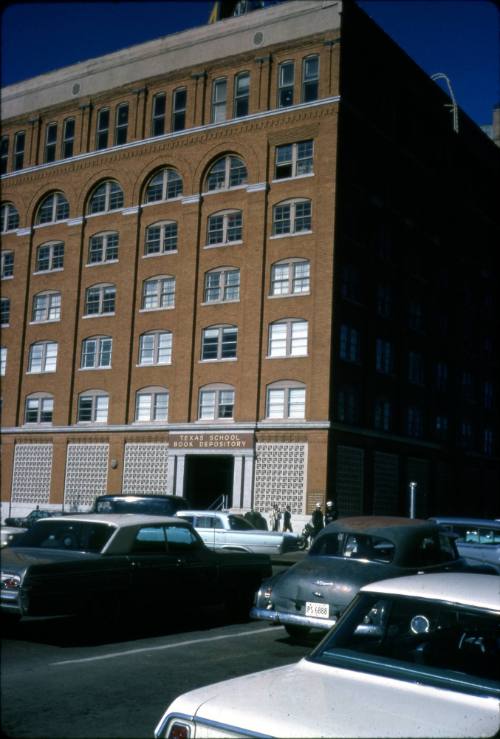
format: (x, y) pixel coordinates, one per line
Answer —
(346, 555)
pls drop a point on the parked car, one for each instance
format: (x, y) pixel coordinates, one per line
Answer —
(27, 521)
(415, 656)
(477, 539)
(221, 530)
(346, 555)
(80, 563)
(148, 505)
(9, 533)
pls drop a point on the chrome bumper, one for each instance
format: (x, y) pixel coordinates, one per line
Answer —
(294, 619)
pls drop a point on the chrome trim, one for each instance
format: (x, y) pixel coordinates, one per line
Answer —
(293, 619)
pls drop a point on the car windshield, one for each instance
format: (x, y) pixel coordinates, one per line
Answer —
(413, 639)
(150, 506)
(238, 523)
(353, 546)
(72, 535)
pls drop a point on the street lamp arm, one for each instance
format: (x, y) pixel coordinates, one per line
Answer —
(442, 76)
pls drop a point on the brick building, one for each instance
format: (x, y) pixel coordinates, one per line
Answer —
(237, 260)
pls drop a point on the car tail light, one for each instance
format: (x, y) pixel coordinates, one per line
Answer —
(178, 731)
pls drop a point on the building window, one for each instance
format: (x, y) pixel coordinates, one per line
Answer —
(225, 228)
(161, 238)
(39, 409)
(226, 173)
(50, 257)
(4, 155)
(219, 100)
(158, 293)
(19, 143)
(121, 124)
(4, 311)
(415, 368)
(384, 357)
(96, 352)
(465, 434)
(241, 94)
(68, 138)
(46, 307)
(43, 357)
(286, 75)
(155, 347)
(291, 217)
(50, 142)
(441, 427)
(216, 402)
(441, 375)
(151, 405)
(414, 422)
(9, 217)
(467, 383)
(222, 285)
(286, 401)
(103, 248)
(382, 414)
(106, 197)
(488, 442)
(102, 132)
(415, 316)
(291, 277)
(93, 407)
(350, 283)
(159, 108)
(7, 264)
(3, 360)
(488, 395)
(179, 103)
(348, 405)
(219, 342)
(288, 338)
(384, 301)
(310, 78)
(350, 345)
(100, 300)
(53, 208)
(164, 185)
(294, 160)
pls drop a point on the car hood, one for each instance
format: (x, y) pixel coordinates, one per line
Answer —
(16, 560)
(311, 700)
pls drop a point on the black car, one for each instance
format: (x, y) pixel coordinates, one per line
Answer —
(26, 522)
(148, 505)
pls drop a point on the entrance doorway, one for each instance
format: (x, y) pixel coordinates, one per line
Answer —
(207, 478)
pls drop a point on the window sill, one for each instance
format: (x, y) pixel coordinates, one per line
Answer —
(287, 356)
(48, 320)
(224, 189)
(293, 177)
(220, 302)
(48, 271)
(154, 310)
(89, 369)
(160, 253)
(291, 233)
(214, 420)
(219, 359)
(223, 243)
(177, 199)
(7, 277)
(51, 223)
(289, 295)
(100, 264)
(156, 364)
(98, 315)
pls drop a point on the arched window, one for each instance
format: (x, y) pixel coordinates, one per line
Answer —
(96, 352)
(100, 300)
(292, 217)
(93, 406)
(288, 338)
(106, 197)
(290, 277)
(219, 342)
(222, 285)
(216, 402)
(151, 405)
(50, 257)
(164, 185)
(286, 400)
(227, 172)
(155, 347)
(158, 292)
(42, 357)
(225, 227)
(103, 247)
(161, 238)
(46, 307)
(39, 408)
(9, 217)
(53, 208)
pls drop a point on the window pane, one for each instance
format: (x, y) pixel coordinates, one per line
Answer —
(207, 404)
(296, 403)
(276, 404)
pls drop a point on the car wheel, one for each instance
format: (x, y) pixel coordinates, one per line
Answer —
(296, 632)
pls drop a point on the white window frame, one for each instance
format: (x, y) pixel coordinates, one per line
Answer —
(311, 80)
(42, 357)
(7, 264)
(241, 97)
(292, 218)
(113, 199)
(102, 352)
(99, 245)
(295, 160)
(284, 86)
(288, 338)
(121, 126)
(166, 178)
(3, 361)
(57, 204)
(224, 287)
(287, 397)
(158, 400)
(156, 354)
(219, 100)
(68, 139)
(224, 171)
(213, 399)
(99, 406)
(52, 259)
(50, 149)
(102, 130)
(53, 305)
(225, 337)
(179, 110)
(44, 405)
(5, 311)
(162, 297)
(284, 278)
(102, 298)
(227, 216)
(9, 218)
(170, 240)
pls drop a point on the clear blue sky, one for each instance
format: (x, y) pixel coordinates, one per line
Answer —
(458, 37)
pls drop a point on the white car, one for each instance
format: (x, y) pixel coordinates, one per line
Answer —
(416, 656)
(229, 531)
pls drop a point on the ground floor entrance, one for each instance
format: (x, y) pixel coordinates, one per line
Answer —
(207, 478)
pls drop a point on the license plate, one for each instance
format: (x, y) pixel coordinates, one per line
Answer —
(317, 610)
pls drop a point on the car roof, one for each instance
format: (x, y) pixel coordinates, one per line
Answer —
(466, 521)
(192, 512)
(138, 496)
(113, 519)
(380, 525)
(465, 588)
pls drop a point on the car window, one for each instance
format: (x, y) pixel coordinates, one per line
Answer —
(181, 539)
(150, 540)
(208, 522)
(327, 545)
(433, 549)
(238, 523)
(78, 536)
(430, 638)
